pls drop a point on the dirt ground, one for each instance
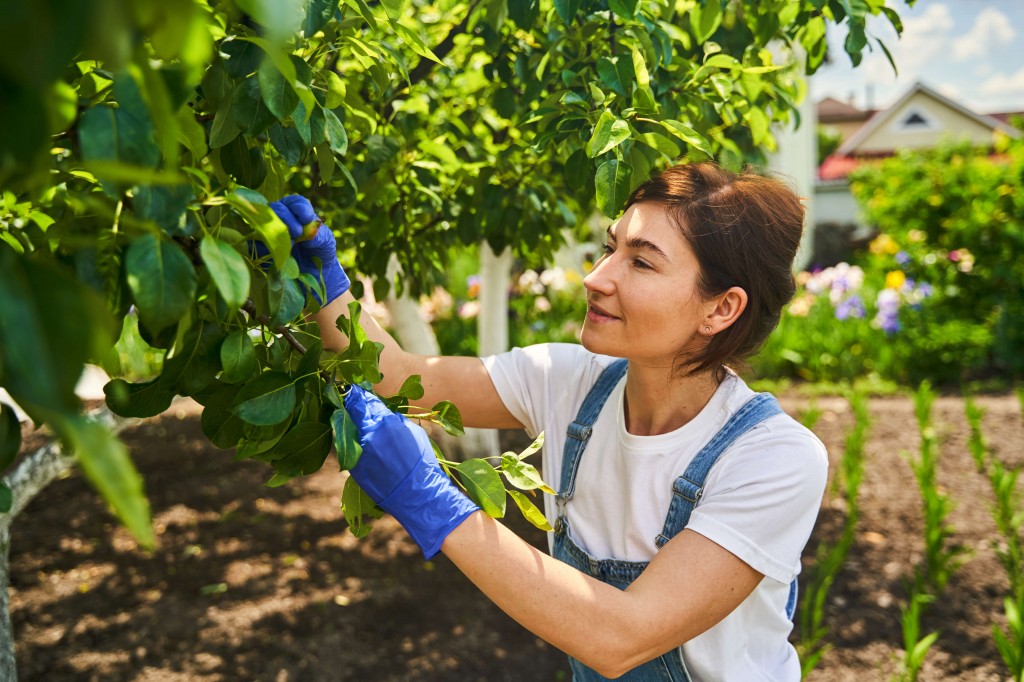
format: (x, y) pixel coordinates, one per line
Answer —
(254, 583)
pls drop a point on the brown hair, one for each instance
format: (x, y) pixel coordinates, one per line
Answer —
(744, 229)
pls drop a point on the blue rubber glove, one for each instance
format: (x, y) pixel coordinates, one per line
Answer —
(295, 211)
(399, 470)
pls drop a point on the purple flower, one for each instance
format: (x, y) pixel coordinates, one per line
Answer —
(925, 290)
(902, 258)
(850, 307)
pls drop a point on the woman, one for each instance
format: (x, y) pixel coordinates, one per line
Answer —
(685, 499)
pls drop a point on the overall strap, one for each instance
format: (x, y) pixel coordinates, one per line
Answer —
(579, 431)
(689, 487)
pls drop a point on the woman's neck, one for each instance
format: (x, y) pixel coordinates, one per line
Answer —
(656, 401)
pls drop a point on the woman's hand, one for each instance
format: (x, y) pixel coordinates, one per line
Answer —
(399, 470)
(297, 213)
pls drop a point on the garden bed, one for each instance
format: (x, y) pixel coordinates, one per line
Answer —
(254, 583)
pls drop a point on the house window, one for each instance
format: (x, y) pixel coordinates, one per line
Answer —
(914, 120)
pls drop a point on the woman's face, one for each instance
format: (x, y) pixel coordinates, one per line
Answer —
(642, 294)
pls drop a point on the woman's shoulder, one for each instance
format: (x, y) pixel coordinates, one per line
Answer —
(779, 436)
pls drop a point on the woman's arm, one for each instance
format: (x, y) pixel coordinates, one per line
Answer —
(462, 380)
(607, 629)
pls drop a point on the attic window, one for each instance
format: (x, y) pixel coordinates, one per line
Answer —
(915, 119)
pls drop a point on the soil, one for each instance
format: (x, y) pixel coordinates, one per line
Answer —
(257, 583)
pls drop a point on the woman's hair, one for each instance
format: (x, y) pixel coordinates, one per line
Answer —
(744, 229)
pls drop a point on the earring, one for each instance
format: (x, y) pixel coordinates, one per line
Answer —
(707, 330)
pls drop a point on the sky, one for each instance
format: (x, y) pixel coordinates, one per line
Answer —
(969, 50)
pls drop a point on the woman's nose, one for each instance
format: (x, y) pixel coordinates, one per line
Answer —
(599, 279)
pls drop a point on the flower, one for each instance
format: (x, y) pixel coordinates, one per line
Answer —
(850, 307)
(895, 279)
(888, 304)
(469, 310)
(902, 258)
(883, 245)
(801, 306)
(554, 278)
(473, 286)
(541, 304)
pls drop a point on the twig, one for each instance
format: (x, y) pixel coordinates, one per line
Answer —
(284, 331)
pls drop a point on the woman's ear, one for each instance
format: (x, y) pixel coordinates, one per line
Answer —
(723, 310)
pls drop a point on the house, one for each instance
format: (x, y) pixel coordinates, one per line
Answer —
(920, 119)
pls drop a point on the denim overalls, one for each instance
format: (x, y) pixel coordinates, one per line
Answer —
(686, 490)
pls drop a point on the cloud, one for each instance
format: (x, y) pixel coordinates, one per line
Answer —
(991, 28)
(1002, 84)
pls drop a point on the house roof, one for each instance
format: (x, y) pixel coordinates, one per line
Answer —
(849, 147)
(831, 110)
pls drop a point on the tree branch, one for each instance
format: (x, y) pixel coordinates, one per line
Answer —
(250, 308)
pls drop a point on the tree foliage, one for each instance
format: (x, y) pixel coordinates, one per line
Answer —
(140, 142)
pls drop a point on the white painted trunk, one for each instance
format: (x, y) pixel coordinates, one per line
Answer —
(796, 160)
(27, 480)
(492, 324)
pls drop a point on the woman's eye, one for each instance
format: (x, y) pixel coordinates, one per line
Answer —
(641, 264)
(607, 248)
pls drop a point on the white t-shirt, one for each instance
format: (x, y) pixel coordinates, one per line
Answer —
(760, 500)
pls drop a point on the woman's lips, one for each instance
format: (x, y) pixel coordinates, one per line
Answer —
(596, 313)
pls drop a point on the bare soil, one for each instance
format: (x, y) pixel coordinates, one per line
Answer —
(254, 583)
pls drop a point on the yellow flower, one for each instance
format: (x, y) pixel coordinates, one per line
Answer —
(895, 280)
(883, 244)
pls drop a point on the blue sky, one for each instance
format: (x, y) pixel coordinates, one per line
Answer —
(969, 50)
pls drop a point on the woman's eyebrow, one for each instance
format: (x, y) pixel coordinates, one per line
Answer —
(639, 244)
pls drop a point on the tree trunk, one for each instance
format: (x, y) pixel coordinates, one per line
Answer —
(28, 479)
(416, 336)
(796, 161)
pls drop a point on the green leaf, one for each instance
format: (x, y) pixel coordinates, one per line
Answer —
(237, 357)
(10, 435)
(244, 163)
(106, 464)
(165, 206)
(224, 129)
(356, 504)
(705, 19)
(262, 218)
(608, 74)
(535, 446)
(278, 94)
(530, 511)
(219, 423)
(50, 325)
(266, 400)
(483, 485)
(138, 400)
(336, 134)
(162, 281)
(228, 269)
(612, 184)
(250, 112)
(124, 134)
(415, 42)
(643, 77)
(578, 170)
(449, 418)
(688, 135)
(394, 9)
(623, 8)
(318, 13)
(412, 388)
(335, 90)
(258, 440)
(346, 439)
(609, 133)
(305, 448)
(288, 143)
(567, 9)
(522, 475)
